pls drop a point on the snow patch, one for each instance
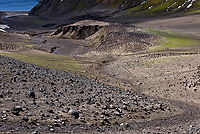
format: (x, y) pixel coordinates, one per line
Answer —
(190, 3)
(3, 27)
(8, 16)
(123, 4)
(150, 7)
(170, 6)
(2, 30)
(143, 2)
(186, 2)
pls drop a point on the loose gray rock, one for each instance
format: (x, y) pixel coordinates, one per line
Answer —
(66, 110)
(31, 94)
(75, 113)
(17, 108)
(56, 125)
(25, 118)
(50, 111)
(35, 132)
(1, 95)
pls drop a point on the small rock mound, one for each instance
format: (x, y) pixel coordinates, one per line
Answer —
(119, 38)
(109, 38)
(79, 30)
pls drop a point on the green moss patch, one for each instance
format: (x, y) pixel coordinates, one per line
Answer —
(160, 7)
(158, 61)
(48, 61)
(175, 42)
(24, 44)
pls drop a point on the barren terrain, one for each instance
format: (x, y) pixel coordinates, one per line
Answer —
(183, 24)
(119, 83)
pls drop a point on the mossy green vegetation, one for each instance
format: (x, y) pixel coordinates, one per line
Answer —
(24, 44)
(158, 61)
(36, 20)
(162, 7)
(175, 42)
(139, 8)
(193, 11)
(46, 60)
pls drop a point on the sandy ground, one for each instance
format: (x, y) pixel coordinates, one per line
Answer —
(174, 77)
(184, 24)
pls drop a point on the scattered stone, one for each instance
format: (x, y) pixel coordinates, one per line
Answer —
(25, 118)
(75, 113)
(31, 94)
(17, 108)
(1, 96)
(117, 113)
(56, 125)
(35, 132)
(66, 110)
(98, 105)
(50, 111)
(15, 113)
(52, 129)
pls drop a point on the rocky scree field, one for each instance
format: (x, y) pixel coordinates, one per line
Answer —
(47, 100)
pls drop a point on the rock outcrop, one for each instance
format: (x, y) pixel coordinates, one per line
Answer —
(79, 30)
(103, 37)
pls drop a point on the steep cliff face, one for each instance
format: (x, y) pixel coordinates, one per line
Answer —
(98, 9)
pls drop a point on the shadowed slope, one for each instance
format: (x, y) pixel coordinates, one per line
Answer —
(99, 9)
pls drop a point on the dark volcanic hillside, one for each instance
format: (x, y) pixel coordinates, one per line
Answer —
(2, 14)
(98, 9)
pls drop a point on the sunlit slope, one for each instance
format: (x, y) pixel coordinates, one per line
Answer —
(163, 7)
(143, 8)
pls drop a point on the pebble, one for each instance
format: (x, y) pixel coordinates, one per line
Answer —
(31, 94)
(17, 108)
(25, 118)
(75, 113)
(35, 132)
